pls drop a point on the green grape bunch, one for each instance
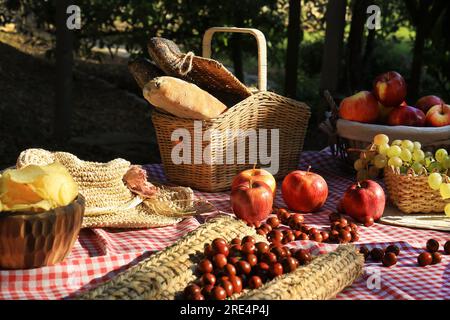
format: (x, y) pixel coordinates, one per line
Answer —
(406, 157)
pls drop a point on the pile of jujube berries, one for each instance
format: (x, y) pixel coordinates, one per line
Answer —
(432, 256)
(387, 256)
(229, 268)
(341, 230)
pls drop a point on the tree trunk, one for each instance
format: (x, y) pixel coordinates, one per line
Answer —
(64, 73)
(236, 45)
(424, 17)
(420, 16)
(334, 34)
(416, 66)
(294, 39)
(370, 44)
(236, 55)
(355, 44)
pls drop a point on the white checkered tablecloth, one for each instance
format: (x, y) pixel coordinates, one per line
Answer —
(100, 254)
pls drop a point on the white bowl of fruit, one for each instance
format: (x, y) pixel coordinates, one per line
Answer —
(384, 110)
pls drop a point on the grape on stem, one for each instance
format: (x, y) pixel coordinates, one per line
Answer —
(417, 145)
(380, 161)
(444, 189)
(435, 181)
(446, 163)
(380, 139)
(383, 148)
(394, 151)
(407, 144)
(406, 155)
(441, 155)
(417, 167)
(418, 155)
(447, 210)
(359, 164)
(395, 162)
(435, 167)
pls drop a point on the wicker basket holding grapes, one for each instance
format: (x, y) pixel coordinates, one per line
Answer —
(416, 180)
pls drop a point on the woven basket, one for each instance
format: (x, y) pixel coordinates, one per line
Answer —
(262, 110)
(412, 194)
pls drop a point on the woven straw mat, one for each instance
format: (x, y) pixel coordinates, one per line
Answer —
(165, 274)
(109, 203)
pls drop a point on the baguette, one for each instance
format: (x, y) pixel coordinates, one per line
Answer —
(182, 99)
(208, 74)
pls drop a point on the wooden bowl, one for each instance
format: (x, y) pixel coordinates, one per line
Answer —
(31, 240)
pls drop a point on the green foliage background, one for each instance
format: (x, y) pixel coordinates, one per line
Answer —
(129, 24)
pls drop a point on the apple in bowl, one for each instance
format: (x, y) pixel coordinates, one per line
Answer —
(438, 115)
(390, 89)
(406, 116)
(383, 113)
(425, 103)
(360, 107)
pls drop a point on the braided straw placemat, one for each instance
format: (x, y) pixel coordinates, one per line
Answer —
(165, 274)
(109, 202)
(326, 276)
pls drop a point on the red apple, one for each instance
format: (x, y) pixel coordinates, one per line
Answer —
(304, 191)
(255, 175)
(383, 113)
(361, 107)
(390, 89)
(363, 200)
(252, 202)
(425, 103)
(406, 116)
(403, 104)
(438, 115)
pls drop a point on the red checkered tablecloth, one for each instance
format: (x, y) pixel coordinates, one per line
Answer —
(101, 254)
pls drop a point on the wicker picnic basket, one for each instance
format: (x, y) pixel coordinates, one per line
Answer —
(411, 193)
(261, 110)
(165, 274)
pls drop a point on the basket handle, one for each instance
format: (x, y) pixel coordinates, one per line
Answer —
(262, 49)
